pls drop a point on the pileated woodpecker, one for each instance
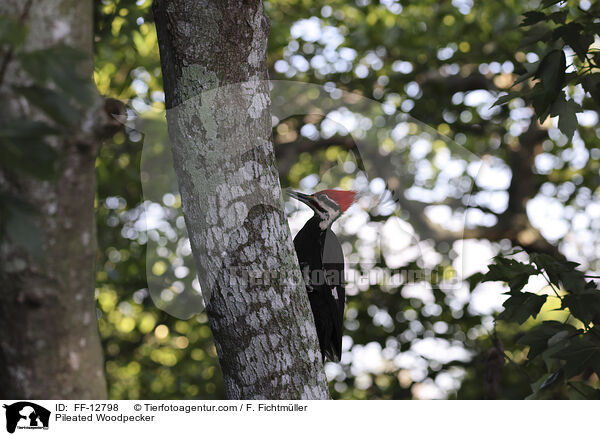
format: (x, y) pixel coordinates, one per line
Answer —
(322, 264)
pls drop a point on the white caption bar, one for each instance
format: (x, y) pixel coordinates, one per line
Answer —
(367, 418)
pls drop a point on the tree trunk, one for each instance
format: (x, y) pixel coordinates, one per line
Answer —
(213, 56)
(49, 342)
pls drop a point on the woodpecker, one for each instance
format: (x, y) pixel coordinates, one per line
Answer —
(322, 264)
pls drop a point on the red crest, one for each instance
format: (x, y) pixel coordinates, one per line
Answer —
(343, 198)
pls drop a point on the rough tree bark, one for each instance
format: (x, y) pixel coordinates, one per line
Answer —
(49, 342)
(213, 56)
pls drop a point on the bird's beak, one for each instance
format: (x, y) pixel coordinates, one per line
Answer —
(304, 198)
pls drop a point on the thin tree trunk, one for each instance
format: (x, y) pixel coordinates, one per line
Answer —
(49, 342)
(213, 56)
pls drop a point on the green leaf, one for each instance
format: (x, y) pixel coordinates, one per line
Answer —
(580, 354)
(515, 273)
(538, 337)
(548, 264)
(541, 100)
(26, 129)
(539, 32)
(22, 230)
(474, 280)
(555, 344)
(582, 391)
(583, 305)
(558, 338)
(30, 156)
(575, 36)
(558, 17)
(35, 64)
(523, 77)
(595, 56)
(12, 32)
(541, 388)
(532, 17)
(551, 379)
(566, 111)
(520, 306)
(551, 71)
(52, 103)
(591, 83)
(505, 99)
(61, 65)
(547, 3)
(571, 279)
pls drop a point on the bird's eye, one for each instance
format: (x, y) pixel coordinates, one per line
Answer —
(327, 202)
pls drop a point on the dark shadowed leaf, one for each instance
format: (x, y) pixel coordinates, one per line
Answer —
(541, 389)
(566, 110)
(551, 71)
(513, 272)
(541, 100)
(575, 36)
(538, 337)
(584, 305)
(537, 33)
(531, 70)
(572, 279)
(582, 391)
(580, 353)
(474, 280)
(552, 378)
(520, 306)
(558, 17)
(555, 344)
(548, 264)
(547, 3)
(591, 83)
(505, 98)
(532, 17)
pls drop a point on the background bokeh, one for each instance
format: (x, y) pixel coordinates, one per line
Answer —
(449, 190)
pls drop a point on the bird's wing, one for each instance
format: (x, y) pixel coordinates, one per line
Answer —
(333, 264)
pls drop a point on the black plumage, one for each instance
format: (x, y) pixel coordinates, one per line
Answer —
(321, 260)
(322, 266)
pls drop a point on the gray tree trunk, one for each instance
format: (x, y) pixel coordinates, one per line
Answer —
(213, 56)
(49, 342)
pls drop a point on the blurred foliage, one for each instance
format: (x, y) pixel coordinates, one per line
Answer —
(149, 354)
(53, 84)
(558, 28)
(428, 59)
(564, 355)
